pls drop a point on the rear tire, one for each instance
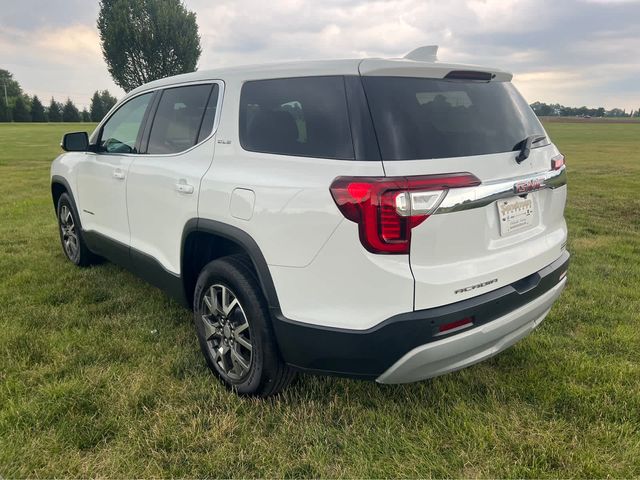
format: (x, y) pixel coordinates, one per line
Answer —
(234, 329)
(70, 230)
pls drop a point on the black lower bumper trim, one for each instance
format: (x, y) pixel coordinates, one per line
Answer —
(368, 353)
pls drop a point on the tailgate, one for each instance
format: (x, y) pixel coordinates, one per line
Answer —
(478, 238)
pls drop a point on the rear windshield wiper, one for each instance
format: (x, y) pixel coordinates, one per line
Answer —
(525, 146)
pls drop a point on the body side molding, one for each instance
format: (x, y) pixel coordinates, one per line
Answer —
(139, 263)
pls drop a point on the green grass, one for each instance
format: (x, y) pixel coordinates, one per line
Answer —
(100, 374)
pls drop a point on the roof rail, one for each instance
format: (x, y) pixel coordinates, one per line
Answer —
(428, 53)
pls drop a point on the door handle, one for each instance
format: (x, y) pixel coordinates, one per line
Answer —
(183, 187)
(118, 174)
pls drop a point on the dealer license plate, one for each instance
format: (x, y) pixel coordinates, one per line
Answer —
(516, 214)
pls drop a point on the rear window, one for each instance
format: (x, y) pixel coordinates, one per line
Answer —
(296, 116)
(421, 118)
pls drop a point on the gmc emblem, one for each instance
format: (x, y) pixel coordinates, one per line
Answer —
(528, 185)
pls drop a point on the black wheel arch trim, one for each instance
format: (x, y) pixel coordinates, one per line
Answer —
(63, 181)
(247, 243)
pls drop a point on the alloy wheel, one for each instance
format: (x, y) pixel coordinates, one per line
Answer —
(227, 332)
(69, 233)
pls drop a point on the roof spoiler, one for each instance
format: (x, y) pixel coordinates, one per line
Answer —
(428, 53)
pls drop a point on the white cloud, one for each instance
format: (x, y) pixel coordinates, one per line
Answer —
(57, 62)
(554, 56)
(555, 85)
(247, 31)
(70, 43)
(611, 1)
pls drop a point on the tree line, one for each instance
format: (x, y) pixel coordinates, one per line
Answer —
(556, 110)
(17, 106)
(142, 40)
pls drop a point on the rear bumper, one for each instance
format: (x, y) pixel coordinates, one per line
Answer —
(471, 346)
(410, 347)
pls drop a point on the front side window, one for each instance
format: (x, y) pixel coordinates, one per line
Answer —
(296, 116)
(120, 132)
(184, 117)
(422, 118)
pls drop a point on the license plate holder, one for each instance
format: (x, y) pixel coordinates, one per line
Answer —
(516, 214)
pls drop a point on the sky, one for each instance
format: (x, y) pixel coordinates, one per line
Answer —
(573, 52)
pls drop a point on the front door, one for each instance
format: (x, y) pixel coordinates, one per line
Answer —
(102, 178)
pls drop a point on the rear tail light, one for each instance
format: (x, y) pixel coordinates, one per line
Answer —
(387, 208)
(557, 162)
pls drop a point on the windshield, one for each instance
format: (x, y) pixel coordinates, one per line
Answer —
(421, 118)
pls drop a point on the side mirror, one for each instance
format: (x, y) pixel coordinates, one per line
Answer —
(75, 142)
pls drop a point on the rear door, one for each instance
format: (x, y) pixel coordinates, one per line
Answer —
(482, 237)
(164, 182)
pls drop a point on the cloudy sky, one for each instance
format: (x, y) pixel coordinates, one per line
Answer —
(575, 52)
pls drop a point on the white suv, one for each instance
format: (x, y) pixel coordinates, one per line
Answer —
(388, 219)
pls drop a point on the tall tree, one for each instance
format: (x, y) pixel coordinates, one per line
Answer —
(70, 112)
(21, 111)
(37, 110)
(13, 87)
(54, 112)
(85, 116)
(108, 101)
(143, 40)
(97, 107)
(5, 112)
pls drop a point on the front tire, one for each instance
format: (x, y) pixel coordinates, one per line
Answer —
(71, 238)
(234, 329)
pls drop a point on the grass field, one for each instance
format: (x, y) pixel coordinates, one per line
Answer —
(100, 374)
(591, 120)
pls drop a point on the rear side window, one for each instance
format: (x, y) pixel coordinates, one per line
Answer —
(296, 116)
(209, 114)
(184, 117)
(421, 118)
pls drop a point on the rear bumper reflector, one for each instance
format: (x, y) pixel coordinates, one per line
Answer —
(455, 325)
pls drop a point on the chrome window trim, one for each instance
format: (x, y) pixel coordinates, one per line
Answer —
(460, 199)
(216, 120)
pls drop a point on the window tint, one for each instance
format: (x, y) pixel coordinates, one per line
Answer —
(420, 118)
(209, 114)
(177, 122)
(296, 116)
(120, 132)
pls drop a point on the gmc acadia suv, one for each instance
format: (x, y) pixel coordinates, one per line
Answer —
(387, 219)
